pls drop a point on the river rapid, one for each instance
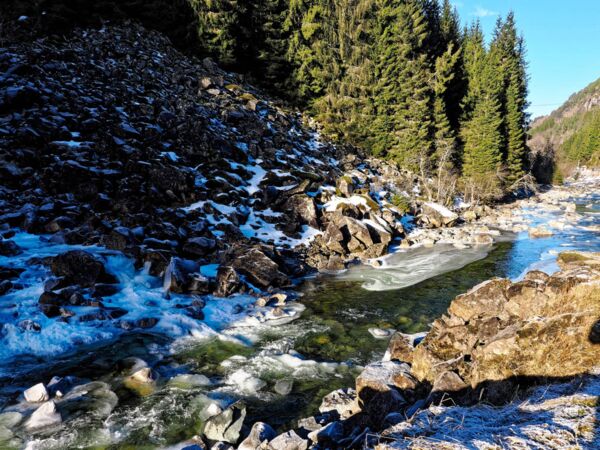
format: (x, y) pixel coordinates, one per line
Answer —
(281, 365)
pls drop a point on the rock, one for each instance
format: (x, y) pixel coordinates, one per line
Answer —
(345, 186)
(469, 216)
(500, 331)
(199, 246)
(437, 215)
(36, 394)
(80, 267)
(283, 387)
(259, 269)
(189, 381)
(540, 232)
(383, 387)
(342, 401)
(259, 437)
(288, 441)
(228, 281)
(177, 276)
(43, 417)
(400, 348)
(227, 425)
(9, 248)
(332, 433)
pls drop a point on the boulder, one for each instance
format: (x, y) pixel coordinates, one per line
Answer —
(80, 267)
(500, 331)
(227, 425)
(540, 232)
(259, 437)
(288, 441)
(301, 209)
(436, 215)
(36, 394)
(345, 186)
(259, 269)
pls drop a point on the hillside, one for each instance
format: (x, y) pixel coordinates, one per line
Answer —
(571, 133)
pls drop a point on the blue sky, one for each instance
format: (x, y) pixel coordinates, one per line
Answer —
(562, 38)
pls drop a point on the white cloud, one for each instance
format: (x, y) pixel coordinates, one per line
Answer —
(484, 12)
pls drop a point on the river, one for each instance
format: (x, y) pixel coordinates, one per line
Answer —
(281, 369)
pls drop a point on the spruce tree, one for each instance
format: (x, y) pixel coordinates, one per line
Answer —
(312, 49)
(220, 29)
(402, 93)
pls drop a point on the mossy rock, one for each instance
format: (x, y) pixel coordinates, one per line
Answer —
(247, 96)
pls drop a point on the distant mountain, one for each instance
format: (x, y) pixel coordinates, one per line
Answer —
(571, 134)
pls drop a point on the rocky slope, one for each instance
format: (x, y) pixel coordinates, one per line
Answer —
(112, 137)
(550, 133)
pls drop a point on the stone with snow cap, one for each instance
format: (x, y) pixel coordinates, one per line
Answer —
(45, 416)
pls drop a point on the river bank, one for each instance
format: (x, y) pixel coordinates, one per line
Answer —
(279, 369)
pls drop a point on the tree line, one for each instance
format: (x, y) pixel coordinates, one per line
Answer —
(400, 78)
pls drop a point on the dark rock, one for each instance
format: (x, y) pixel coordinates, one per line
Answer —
(228, 281)
(9, 248)
(199, 246)
(80, 267)
(259, 269)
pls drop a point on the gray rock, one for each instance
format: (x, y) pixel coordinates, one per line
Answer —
(288, 441)
(227, 425)
(260, 434)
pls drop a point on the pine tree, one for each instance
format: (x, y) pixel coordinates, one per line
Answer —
(515, 129)
(267, 56)
(220, 29)
(445, 142)
(402, 94)
(508, 48)
(312, 47)
(481, 126)
(346, 109)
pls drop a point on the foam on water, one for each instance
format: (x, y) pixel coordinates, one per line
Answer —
(406, 268)
(141, 295)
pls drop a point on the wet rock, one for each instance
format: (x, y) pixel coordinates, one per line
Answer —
(177, 276)
(9, 248)
(284, 387)
(341, 401)
(43, 417)
(540, 232)
(288, 441)
(227, 425)
(259, 437)
(80, 267)
(259, 269)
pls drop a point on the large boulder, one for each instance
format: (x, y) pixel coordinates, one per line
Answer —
(501, 332)
(227, 425)
(436, 215)
(259, 269)
(80, 267)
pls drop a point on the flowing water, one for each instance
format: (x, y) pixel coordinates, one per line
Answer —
(281, 369)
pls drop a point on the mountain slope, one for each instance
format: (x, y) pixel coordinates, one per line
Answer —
(571, 133)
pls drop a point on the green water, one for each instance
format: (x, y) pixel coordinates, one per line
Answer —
(332, 334)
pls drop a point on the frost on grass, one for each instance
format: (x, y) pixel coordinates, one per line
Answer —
(559, 416)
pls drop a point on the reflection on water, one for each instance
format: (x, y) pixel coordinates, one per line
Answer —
(320, 352)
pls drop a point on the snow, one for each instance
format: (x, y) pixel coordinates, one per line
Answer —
(356, 200)
(445, 212)
(170, 155)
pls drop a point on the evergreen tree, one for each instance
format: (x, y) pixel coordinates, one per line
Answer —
(267, 58)
(312, 47)
(220, 29)
(402, 94)
(345, 110)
